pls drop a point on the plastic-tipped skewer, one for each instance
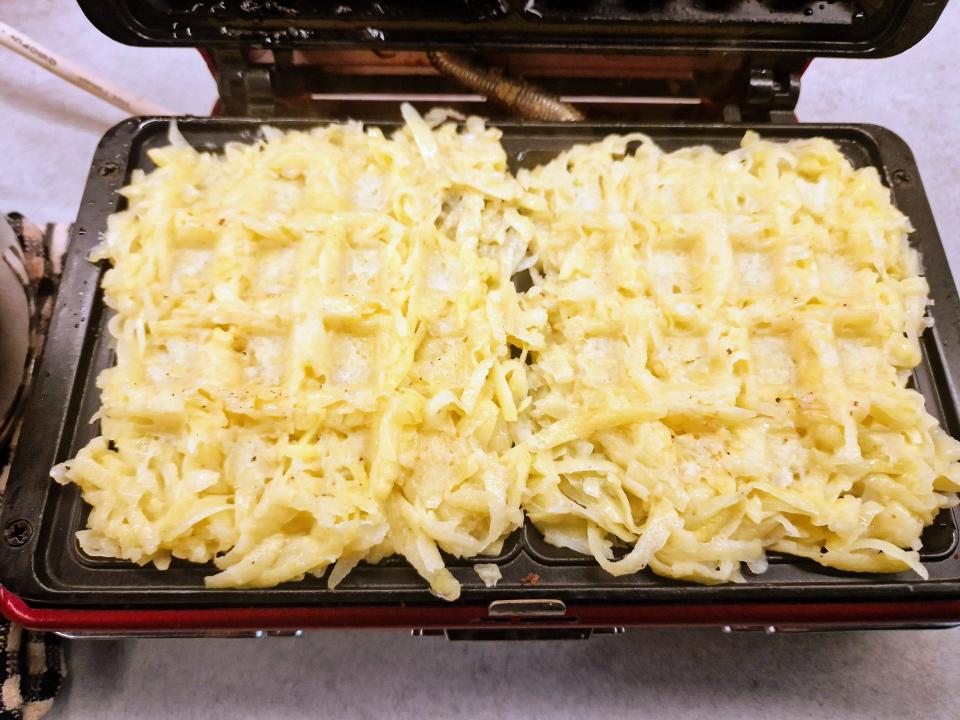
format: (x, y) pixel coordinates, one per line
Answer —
(75, 75)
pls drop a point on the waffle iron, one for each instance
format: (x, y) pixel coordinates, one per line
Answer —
(683, 71)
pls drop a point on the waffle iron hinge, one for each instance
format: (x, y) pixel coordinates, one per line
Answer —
(771, 96)
(245, 89)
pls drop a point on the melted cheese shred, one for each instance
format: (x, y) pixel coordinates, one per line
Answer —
(312, 366)
(314, 338)
(724, 363)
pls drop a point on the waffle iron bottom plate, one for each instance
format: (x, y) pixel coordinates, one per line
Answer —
(50, 571)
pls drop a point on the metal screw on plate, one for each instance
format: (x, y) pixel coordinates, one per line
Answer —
(900, 177)
(17, 533)
(108, 168)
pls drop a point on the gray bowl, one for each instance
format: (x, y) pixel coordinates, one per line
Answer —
(14, 320)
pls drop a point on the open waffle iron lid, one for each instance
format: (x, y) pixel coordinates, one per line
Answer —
(733, 59)
(739, 59)
(799, 28)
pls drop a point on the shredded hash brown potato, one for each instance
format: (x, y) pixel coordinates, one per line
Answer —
(314, 364)
(725, 359)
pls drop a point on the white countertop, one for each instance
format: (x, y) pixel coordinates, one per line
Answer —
(50, 131)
